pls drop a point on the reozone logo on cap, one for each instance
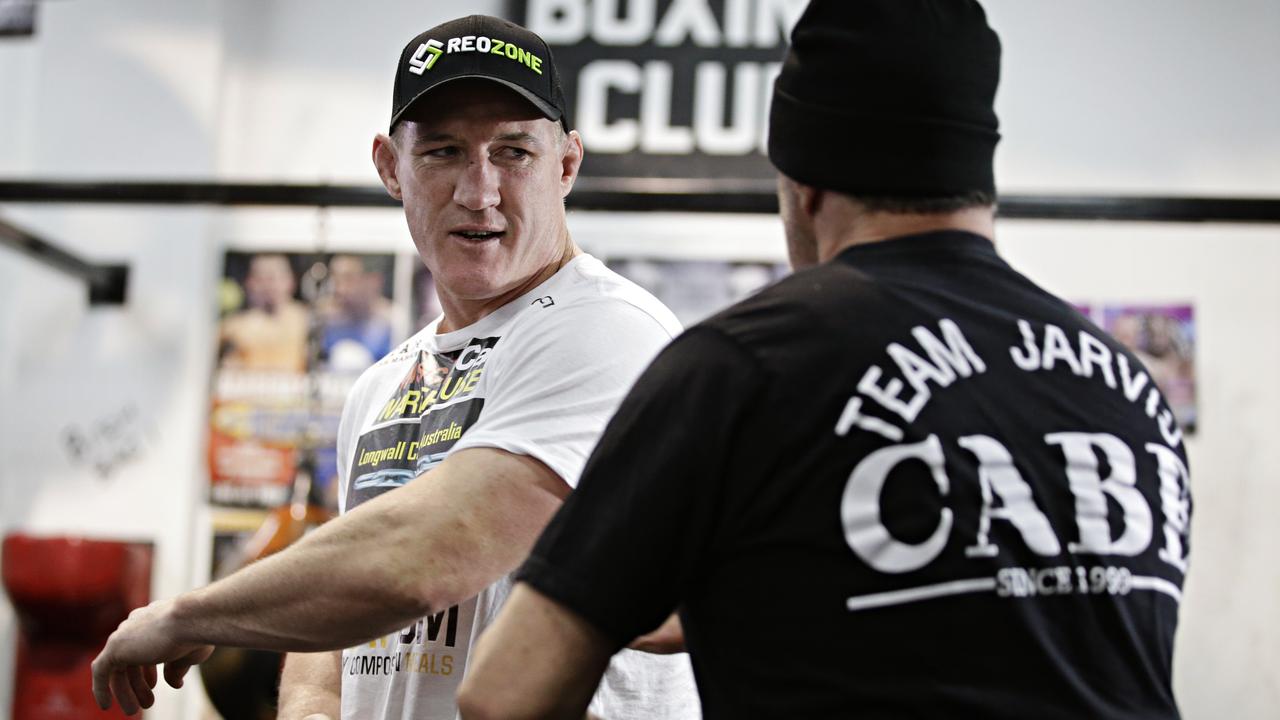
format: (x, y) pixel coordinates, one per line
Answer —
(428, 52)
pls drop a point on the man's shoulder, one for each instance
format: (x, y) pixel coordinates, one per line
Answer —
(816, 289)
(796, 314)
(589, 292)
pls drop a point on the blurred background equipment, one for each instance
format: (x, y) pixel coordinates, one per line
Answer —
(69, 593)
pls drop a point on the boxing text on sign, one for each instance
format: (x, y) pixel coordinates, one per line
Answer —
(667, 88)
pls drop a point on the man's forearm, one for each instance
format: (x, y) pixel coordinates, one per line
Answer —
(666, 639)
(311, 684)
(410, 552)
(539, 660)
(407, 553)
(335, 588)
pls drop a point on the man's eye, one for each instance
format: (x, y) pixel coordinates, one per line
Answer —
(515, 153)
(445, 151)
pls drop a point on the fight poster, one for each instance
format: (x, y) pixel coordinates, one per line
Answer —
(295, 331)
(424, 302)
(1164, 339)
(696, 289)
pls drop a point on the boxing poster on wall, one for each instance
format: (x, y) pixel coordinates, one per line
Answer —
(1164, 338)
(294, 333)
(424, 303)
(695, 289)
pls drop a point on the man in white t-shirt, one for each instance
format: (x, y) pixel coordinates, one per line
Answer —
(455, 449)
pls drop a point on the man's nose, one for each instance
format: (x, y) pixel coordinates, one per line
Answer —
(477, 187)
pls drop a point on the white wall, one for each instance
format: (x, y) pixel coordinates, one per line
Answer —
(1144, 96)
(122, 89)
(308, 84)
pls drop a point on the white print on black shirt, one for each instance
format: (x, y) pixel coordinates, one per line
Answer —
(998, 476)
(999, 479)
(954, 358)
(949, 358)
(1055, 347)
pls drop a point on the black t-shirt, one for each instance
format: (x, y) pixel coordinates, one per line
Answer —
(905, 483)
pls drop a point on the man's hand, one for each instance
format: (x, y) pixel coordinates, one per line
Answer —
(126, 667)
(410, 552)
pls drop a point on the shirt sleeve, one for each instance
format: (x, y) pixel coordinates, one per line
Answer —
(629, 541)
(559, 380)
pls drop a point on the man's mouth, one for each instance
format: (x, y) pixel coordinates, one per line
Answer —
(478, 235)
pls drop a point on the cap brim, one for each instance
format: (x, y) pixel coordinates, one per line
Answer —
(547, 109)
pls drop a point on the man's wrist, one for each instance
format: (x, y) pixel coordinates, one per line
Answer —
(182, 619)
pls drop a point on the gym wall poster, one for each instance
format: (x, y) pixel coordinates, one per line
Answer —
(1163, 336)
(696, 289)
(295, 331)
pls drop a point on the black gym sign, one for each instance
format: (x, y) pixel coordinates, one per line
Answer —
(669, 95)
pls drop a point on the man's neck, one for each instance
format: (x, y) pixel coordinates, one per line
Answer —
(862, 228)
(460, 312)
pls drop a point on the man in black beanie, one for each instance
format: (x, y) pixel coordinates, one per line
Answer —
(903, 482)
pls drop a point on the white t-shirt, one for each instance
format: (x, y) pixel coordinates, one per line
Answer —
(541, 376)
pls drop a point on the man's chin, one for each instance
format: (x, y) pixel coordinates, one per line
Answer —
(473, 288)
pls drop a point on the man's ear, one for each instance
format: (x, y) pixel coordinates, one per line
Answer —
(570, 161)
(384, 159)
(811, 198)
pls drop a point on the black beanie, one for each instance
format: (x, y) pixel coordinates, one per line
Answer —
(888, 98)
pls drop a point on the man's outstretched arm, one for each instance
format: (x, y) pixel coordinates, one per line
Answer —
(538, 660)
(410, 552)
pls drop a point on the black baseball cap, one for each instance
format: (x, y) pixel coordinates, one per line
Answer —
(479, 46)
